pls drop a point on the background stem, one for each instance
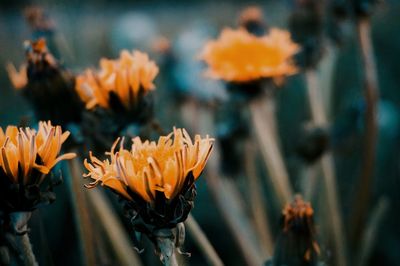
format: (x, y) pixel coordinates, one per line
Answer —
(263, 114)
(82, 218)
(371, 94)
(202, 242)
(318, 114)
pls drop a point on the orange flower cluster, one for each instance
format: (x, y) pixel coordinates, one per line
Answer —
(126, 77)
(24, 150)
(239, 56)
(149, 166)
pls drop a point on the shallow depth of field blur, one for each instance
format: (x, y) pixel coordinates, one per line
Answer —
(90, 30)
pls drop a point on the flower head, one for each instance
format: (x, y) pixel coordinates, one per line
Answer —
(149, 167)
(26, 158)
(297, 244)
(124, 80)
(239, 56)
(46, 84)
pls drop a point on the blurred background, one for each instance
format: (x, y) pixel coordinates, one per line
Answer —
(89, 30)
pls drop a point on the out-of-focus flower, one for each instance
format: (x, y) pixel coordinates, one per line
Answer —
(252, 19)
(125, 80)
(26, 158)
(47, 85)
(238, 56)
(38, 19)
(297, 243)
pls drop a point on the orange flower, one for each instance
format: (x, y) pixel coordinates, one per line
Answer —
(239, 56)
(126, 77)
(18, 78)
(24, 150)
(149, 166)
(37, 54)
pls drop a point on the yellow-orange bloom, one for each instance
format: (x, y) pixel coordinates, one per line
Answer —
(149, 166)
(24, 150)
(126, 77)
(240, 56)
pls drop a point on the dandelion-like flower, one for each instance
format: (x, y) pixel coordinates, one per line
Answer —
(297, 243)
(239, 56)
(46, 84)
(26, 159)
(155, 178)
(122, 81)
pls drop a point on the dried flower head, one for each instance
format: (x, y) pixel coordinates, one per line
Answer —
(26, 158)
(124, 80)
(46, 84)
(297, 243)
(239, 56)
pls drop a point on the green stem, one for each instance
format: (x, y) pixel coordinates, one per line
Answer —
(166, 245)
(202, 242)
(371, 94)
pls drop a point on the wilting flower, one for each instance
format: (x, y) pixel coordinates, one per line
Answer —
(123, 80)
(239, 56)
(26, 158)
(46, 84)
(297, 243)
(155, 178)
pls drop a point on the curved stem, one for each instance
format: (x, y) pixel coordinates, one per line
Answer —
(371, 94)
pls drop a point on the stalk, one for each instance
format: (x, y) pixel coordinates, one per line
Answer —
(371, 230)
(82, 218)
(226, 201)
(371, 94)
(113, 228)
(257, 202)
(29, 258)
(318, 114)
(202, 242)
(166, 246)
(263, 118)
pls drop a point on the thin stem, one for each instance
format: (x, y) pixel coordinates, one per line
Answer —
(226, 201)
(257, 202)
(202, 242)
(371, 231)
(166, 245)
(26, 251)
(263, 116)
(318, 114)
(371, 94)
(82, 218)
(113, 228)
